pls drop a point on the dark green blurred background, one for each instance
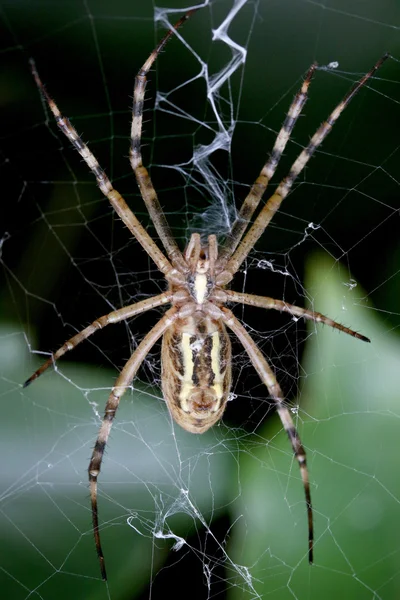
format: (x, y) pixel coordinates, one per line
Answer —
(232, 500)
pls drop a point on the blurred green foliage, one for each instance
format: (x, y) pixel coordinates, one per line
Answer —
(171, 483)
(349, 423)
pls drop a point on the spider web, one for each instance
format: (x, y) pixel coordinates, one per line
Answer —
(221, 514)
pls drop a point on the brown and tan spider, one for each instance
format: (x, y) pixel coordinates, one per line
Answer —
(196, 349)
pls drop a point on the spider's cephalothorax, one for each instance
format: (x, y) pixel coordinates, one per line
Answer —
(196, 350)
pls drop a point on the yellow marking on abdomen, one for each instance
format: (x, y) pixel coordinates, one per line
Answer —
(188, 387)
(188, 368)
(216, 365)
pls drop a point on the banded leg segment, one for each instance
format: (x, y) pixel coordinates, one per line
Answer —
(144, 182)
(113, 317)
(252, 200)
(114, 197)
(268, 378)
(296, 311)
(123, 381)
(274, 202)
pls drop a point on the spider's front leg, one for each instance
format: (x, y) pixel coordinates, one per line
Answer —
(105, 185)
(143, 179)
(244, 246)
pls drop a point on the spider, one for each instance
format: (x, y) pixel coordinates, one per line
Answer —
(196, 348)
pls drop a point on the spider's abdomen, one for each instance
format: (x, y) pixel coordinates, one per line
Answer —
(196, 371)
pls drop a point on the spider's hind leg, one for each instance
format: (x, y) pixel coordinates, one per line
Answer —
(268, 378)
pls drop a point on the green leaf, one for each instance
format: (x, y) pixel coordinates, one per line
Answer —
(349, 423)
(158, 483)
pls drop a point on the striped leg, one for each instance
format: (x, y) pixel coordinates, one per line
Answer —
(123, 381)
(116, 200)
(296, 311)
(116, 316)
(252, 200)
(269, 379)
(147, 190)
(284, 187)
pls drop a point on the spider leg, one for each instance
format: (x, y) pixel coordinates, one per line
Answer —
(296, 311)
(268, 378)
(274, 202)
(113, 317)
(123, 381)
(258, 188)
(144, 182)
(114, 197)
